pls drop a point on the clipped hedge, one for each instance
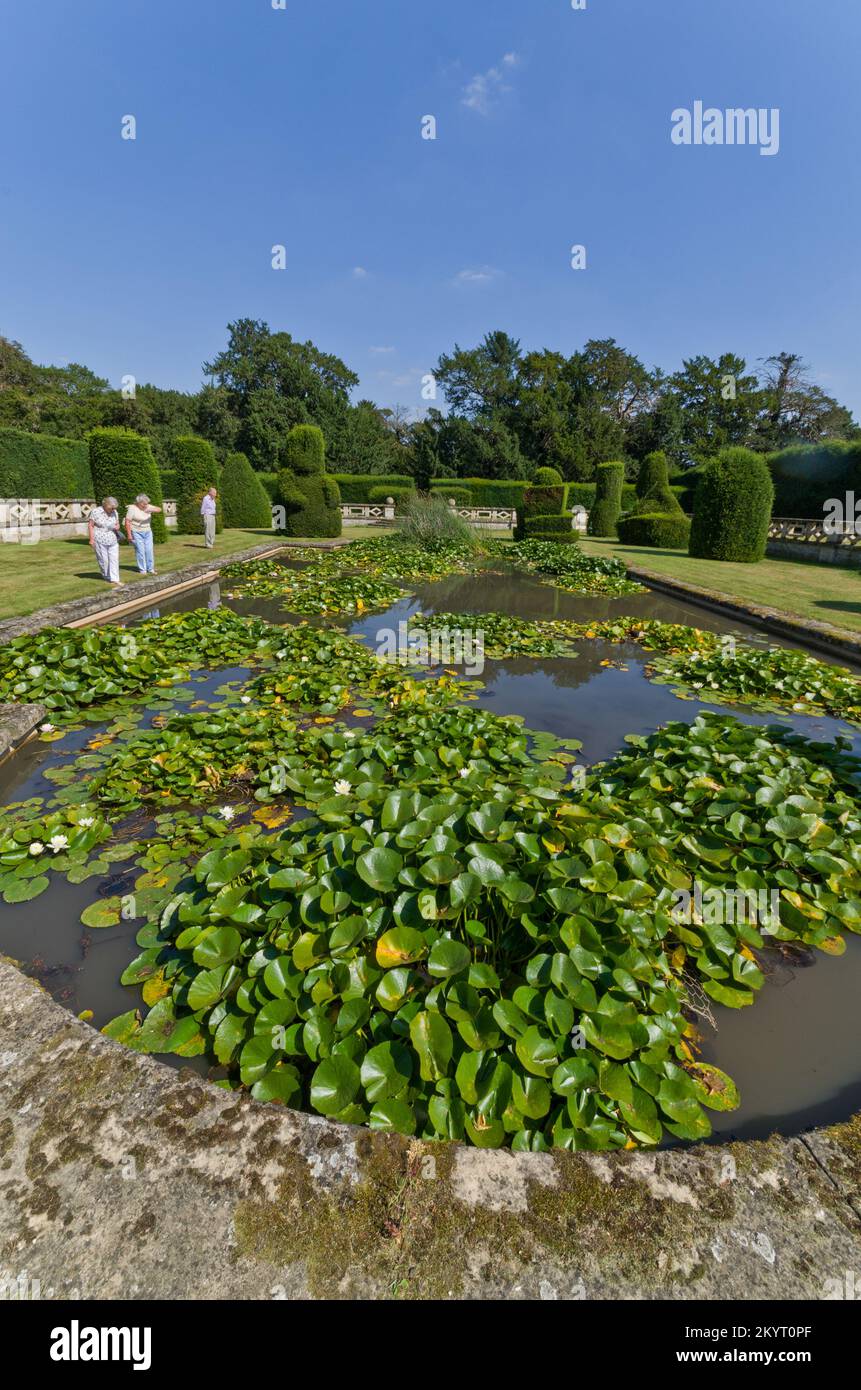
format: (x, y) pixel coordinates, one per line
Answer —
(244, 500)
(43, 465)
(168, 483)
(195, 469)
(399, 495)
(732, 508)
(356, 487)
(807, 475)
(662, 530)
(311, 499)
(122, 465)
(493, 492)
(270, 483)
(604, 515)
(461, 493)
(554, 528)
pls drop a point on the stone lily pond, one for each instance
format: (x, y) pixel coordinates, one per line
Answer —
(486, 906)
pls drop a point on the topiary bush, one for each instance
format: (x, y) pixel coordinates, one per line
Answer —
(547, 495)
(244, 500)
(604, 515)
(195, 470)
(547, 477)
(122, 465)
(551, 528)
(661, 530)
(732, 508)
(654, 472)
(42, 465)
(311, 499)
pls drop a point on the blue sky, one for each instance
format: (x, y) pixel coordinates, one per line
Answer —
(258, 126)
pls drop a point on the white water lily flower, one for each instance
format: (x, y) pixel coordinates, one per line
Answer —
(245, 699)
(305, 658)
(46, 728)
(37, 847)
(227, 813)
(58, 842)
(343, 788)
(87, 821)
(463, 772)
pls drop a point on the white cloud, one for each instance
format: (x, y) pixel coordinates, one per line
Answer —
(382, 349)
(482, 92)
(479, 276)
(359, 272)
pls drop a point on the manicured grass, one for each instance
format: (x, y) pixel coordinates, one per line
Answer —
(36, 576)
(828, 593)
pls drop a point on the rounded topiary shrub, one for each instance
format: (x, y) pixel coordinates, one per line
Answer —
(311, 499)
(604, 515)
(661, 530)
(122, 465)
(732, 507)
(551, 528)
(654, 472)
(547, 477)
(244, 500)
(196, 471)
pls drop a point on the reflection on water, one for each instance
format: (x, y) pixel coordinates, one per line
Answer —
(795, 1055)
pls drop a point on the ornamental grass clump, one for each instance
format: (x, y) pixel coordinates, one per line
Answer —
(426, 521)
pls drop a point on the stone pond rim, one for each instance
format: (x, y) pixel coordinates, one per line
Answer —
(122, 1178)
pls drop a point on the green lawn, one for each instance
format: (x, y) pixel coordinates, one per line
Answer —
(827, 593)
(36, 576)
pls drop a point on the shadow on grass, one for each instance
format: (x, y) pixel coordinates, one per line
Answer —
(838, 605)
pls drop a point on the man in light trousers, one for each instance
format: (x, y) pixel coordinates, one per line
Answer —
(207, 511)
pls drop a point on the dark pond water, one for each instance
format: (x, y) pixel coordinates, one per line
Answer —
(795, 1055)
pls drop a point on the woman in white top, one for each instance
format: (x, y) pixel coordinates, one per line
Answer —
(104, 528)
(139, 531)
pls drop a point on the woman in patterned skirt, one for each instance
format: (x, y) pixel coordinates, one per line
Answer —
(104, 527)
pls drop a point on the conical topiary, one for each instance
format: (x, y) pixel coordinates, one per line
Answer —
(244, 500)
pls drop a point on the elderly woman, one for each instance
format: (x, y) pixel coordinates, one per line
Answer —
(139, 531)
(104, 528)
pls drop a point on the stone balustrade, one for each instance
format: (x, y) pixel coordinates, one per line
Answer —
(793, 537)
(29, 519)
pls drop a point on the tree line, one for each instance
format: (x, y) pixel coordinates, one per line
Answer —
(507, 411)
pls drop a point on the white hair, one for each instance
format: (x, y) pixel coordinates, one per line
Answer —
(141, 497)
(106, 500)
